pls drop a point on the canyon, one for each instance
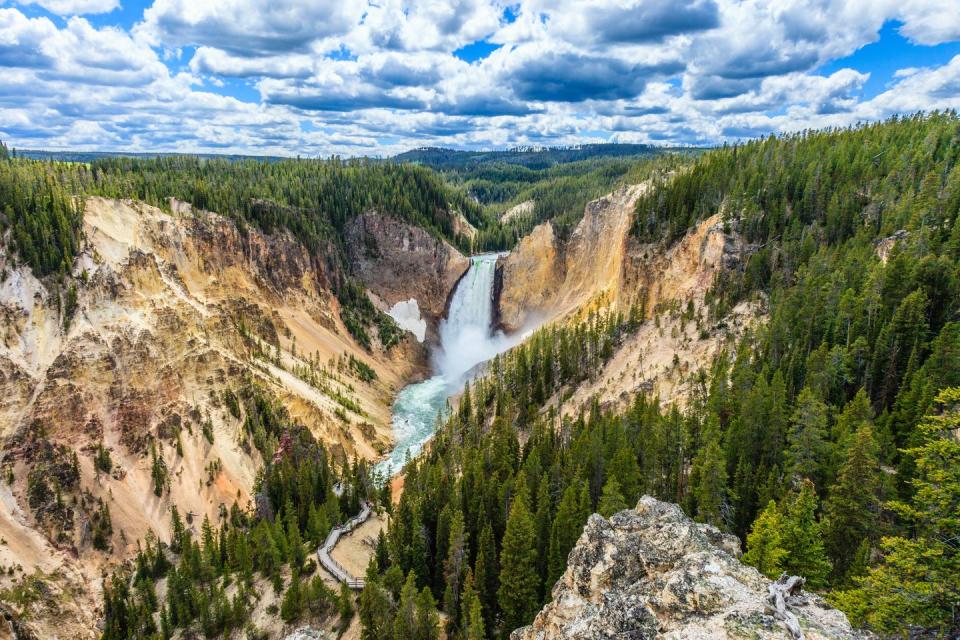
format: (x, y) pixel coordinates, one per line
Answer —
(175, 308)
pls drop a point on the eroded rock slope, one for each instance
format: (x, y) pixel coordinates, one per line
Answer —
(168, 313)
(399, 262)
(602, 267)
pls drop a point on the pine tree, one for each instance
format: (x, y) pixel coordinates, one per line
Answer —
(209, 544)
(856, 414)
(419, 550)
(468, 593)
(101, 460)
(518, 595)
(764, 543)
(178, 533)
(427, 620)
(473, 625)
(345, 606)
(486, 574)
(709, 484)
(567, 526)
(623, 466)
(852, 510)
(902, 337)
(166, 632)
(455, 566)
(294, 541)
(916, 582)
(158, 471)
(807, 448)
(374, 608)
(382, 554)
(292, 604)
(611, 500)
(803, 539)
(543, 520)
(405, 621)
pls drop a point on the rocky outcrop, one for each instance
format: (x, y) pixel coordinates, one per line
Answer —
(517, 211)
(659, 275)
(398, 262)
(462, 226)
(652, 572)
(884, 247)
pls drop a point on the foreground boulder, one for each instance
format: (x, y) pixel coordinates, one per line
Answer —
(653, 572)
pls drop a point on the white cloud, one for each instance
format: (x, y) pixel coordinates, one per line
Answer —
(929, 21)
(248, 27)
(75, 7)
(217, 61)
(399, 25)
(378, 77)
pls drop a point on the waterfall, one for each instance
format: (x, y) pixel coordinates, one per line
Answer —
(466, 337)
(466, 340)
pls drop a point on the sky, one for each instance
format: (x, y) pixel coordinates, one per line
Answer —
(321, 77)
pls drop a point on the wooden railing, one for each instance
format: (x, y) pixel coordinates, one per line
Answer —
(323, 553)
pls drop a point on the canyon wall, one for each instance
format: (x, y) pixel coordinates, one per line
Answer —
(398, 261)
(545, 277)
(169, 313)
(601, 266)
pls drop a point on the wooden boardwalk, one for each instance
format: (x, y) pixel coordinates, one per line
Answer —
(323, 553)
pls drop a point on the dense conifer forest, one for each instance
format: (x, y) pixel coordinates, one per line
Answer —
(534, 158)
(558, 185)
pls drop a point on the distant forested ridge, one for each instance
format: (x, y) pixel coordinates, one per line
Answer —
(557, 183)
(41, 200)
(529, 157)
(91, 156)
(826, 439)
(313, 199)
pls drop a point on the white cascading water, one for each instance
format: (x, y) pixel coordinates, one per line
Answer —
(466, 340)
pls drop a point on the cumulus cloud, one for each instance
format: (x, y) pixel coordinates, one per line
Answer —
(75, 7)
(221, 63)
(247, 27)
(634, 21)
(929, 22)
(323, 76)
(22, 39)
(440, 25)
(570, 76)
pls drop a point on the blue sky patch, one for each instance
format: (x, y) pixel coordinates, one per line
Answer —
(887, 55)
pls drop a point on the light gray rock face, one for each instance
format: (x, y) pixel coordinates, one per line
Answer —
(306, 633)
(654, 573)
